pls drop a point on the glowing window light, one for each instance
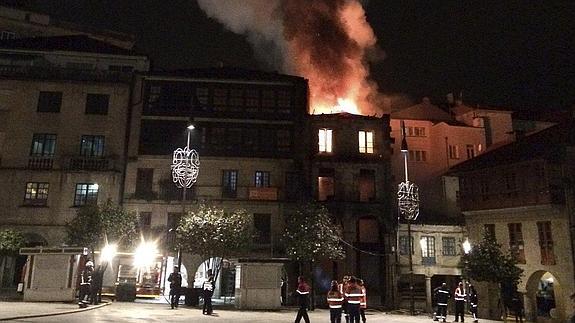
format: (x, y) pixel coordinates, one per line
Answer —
(325, 140)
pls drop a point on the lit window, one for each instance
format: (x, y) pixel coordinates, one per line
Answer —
(366, 142)
(86, 194)
(43, 145)
(325, 140)
(453, 151)
(428, 250)
(262, 179)
(36, 194)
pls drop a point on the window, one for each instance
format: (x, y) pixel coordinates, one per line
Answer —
(262, 179)
(470, 151)
(284, 101)
(546, 243)
(516, 244)
(510, 182)
(43, 144)
(220, 98)
(403, 245)
(415, 131)
(36, 194)
(236, 99)
(268, 100)
(449, 246)
(202, 96)
(489, 229)
(252, 100)
(484, 187)
(368, 230)
(453, 151)
(92, 146)
(428, 250)
(283, 140)
(366, 142)
(418, 155)
(326, 184)
(6, 34)
(97, 103)
(262, 224)
(366, 185)
(86, 194)
(230, 183)
(49, 101)
(145, 221)
(325, 140)
(144, 181)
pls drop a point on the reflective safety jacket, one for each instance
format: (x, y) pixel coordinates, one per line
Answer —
(302, 293)
(459, 295)
(363, 302)
(473, 300)
(334, 299)
(442, 296)
(353, 295)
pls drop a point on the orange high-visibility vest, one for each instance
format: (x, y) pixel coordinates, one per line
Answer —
(363, 302)
(353, 295)
(334, 299)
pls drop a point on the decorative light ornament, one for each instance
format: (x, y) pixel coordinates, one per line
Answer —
(185, 167)
(408, 200)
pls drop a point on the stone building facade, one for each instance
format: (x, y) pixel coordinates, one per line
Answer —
(522, 195)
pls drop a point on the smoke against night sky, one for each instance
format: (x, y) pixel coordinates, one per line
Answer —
(325, 41)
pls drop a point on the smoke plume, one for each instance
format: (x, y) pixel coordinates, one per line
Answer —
(325, 41)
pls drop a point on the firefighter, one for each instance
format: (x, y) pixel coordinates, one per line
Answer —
(459, 302)
(85, 282)
(363, 303)
(442, 298)
(342, 288)
(208, 292)
(175, 280)
(353, 296)
(335, 302)
(302, 293)
(473, 299)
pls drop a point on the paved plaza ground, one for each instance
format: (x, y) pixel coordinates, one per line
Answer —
(153, 312)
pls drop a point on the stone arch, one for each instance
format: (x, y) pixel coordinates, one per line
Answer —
(540, 287)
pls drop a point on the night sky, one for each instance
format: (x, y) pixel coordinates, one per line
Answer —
(515, 54)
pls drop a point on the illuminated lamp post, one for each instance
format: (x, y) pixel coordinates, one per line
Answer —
(185, 169)
(408, 205)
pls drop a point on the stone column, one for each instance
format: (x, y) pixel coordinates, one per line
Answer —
(428, 301)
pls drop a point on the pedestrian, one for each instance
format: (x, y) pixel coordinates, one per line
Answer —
(459, 302)
(85, 283)
(335, 302)
(442, 297)
(517, 304)
(208, 292)
(302, 294)
(175, 280)
(363, 302)
(473, 299)
(353, 296)
(342, 289)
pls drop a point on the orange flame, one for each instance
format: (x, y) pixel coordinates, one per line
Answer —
(350, 91)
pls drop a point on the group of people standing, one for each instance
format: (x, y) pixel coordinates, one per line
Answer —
(442, 296)
(348, 297)
(175, 280)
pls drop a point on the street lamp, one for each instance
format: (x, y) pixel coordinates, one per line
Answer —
(408, 205)
(185, 170)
